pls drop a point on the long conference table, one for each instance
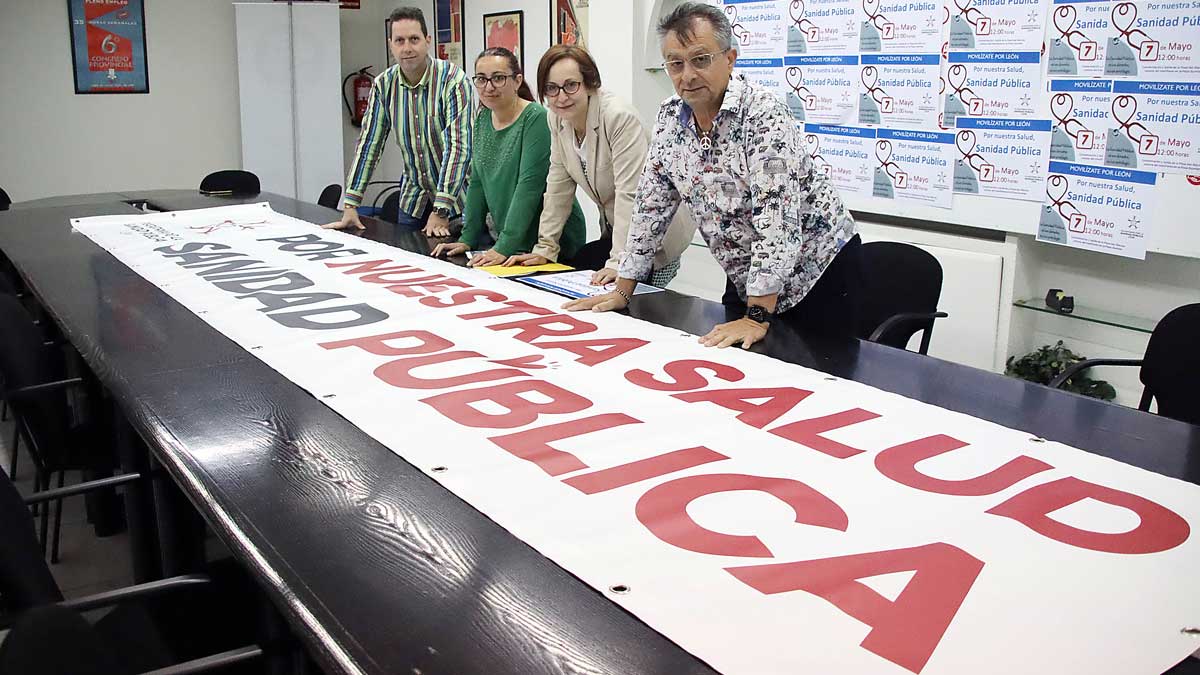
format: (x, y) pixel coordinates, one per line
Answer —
(365, 582)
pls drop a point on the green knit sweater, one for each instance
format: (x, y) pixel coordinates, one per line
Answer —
(508, 179)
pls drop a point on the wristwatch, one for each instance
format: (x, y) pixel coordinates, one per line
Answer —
(442, 211)
(759, 314)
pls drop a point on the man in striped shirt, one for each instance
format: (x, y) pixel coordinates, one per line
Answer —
(428, 103)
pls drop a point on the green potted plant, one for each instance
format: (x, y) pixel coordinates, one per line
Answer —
(1048, 361)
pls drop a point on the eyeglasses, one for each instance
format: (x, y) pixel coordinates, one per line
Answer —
(699, 62)
(497, 80)
(570, 86)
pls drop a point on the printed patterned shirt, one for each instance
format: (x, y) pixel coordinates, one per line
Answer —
(432, 120)
(770, 219)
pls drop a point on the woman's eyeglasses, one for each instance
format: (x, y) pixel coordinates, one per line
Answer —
(699, 62)
(497, 80)
(570, 86)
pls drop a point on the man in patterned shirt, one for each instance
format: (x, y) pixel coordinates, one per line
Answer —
(732, 153)
(428, 103)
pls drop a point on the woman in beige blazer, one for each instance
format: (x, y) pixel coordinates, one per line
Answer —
(596, 143)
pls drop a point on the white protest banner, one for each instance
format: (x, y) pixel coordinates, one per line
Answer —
(843, 154)
(997, 25)
(765, 517)
(821, 88)
(915, 166)
(758, 27)
(1077, 37)
(1002, 158)
(822, 27)
(901, 27)
(1098, 208)
(1153, 40)
(899, 90)
(992, 84)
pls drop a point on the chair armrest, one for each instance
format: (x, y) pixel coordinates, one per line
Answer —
(137, 592)
(904, 317)
(1067, 374)
(80, 488)
(207, 663)
(24, 392)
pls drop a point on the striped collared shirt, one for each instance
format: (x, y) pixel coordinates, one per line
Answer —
(432, 120)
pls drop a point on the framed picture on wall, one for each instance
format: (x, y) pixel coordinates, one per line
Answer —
(505, 29)
(447, 31)
(566, 22)
(108, 47)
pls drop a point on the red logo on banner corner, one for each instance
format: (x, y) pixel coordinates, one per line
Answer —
(1194, 180)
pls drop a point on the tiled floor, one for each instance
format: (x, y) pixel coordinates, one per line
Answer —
(88, 564)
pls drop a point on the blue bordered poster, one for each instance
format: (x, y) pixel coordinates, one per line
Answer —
(108, 46)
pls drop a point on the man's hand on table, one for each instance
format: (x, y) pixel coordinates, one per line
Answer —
(437, 226)
(744, 330)
(349, 220)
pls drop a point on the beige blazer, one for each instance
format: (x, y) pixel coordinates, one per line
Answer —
(616, 147)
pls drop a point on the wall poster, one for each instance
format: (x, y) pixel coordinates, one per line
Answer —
(505, 29)
(108, 46)
(447, 31)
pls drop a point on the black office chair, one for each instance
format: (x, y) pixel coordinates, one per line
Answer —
(390, 211)
(330, 196)
(231, 181)
(48, 636)
(5, 200)
(1170, 367)
(901, 284)
(36, 392)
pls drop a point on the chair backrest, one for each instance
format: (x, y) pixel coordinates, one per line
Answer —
(6, 286)
(25, 361)
(390, 211)
(897, 278)
(231, 180)
(1171, 368)
(330, 196)
(5, 200)
(25, 579)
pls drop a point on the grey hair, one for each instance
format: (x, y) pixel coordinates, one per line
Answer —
(679, 21)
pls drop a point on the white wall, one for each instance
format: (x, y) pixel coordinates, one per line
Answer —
(54, 142)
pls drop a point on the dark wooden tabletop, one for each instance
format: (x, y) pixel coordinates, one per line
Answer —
(375, 565)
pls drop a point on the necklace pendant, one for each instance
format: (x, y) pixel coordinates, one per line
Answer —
(705, 143)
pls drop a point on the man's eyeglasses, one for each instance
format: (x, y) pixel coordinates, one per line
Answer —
(496, 80)
(699, 62)
(570, 86)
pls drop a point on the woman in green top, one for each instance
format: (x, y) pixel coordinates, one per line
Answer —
(510, 157)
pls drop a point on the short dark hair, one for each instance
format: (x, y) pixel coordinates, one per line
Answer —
(587, 66)
(679, 21)
(407, 14)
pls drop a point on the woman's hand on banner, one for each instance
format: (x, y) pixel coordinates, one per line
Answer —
(450, 248)
(486, 259)
(527, 259)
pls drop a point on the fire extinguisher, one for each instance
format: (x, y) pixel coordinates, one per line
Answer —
(362, 94)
